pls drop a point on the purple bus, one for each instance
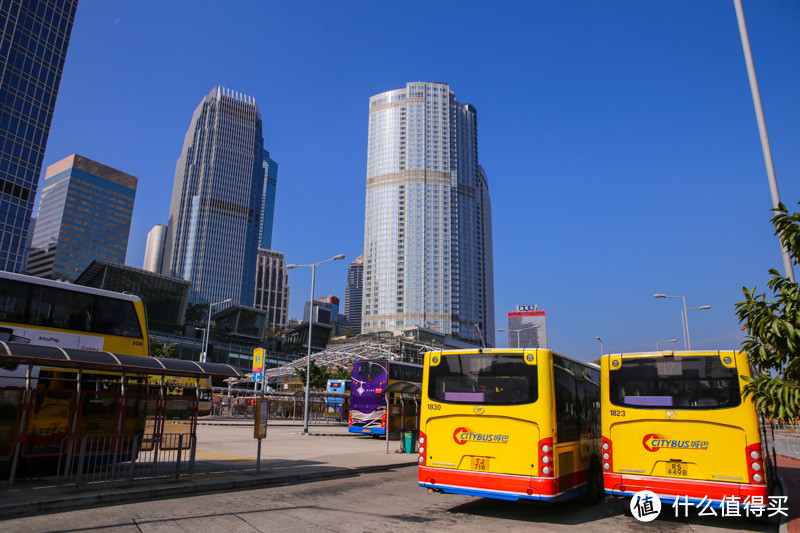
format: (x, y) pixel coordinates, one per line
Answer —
(367, 399)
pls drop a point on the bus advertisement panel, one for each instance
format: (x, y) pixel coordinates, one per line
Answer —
(676, 424)
(367, 399)
(510, 424)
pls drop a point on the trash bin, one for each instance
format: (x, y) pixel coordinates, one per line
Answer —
(409, 441)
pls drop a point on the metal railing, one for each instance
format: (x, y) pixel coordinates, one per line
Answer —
(321, 411)
(94, 459)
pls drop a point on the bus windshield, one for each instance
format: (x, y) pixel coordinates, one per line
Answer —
(488, 379)
(684, 382)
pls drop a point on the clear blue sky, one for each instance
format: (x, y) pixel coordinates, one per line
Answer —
(619, 138)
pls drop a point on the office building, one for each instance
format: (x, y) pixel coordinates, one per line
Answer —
(353, 293)
(428, 224)
(527, 327)
(154, 249)
(217, 196)
(326, 309)
(268, 202)
(84, 215)
(272, 288)
(34, 36)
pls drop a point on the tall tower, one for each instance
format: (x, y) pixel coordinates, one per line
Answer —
(268, 202)
(427, 233)
(272, 288)
(215, 215)
(34, 36)
(154, 249)
(354, 294)
(85, 214)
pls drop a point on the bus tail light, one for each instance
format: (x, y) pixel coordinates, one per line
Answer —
(607, 455)
(755, 463)
(545, 452)
(350, 418)
(383, 420)
(423, 445)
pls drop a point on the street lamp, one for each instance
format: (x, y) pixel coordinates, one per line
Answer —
(686, 344)
(601, 346)
(529, 326)
(310, 324)
(208, 328)
(686, 314)
(665, 342)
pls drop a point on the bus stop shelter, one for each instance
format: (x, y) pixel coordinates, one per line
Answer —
(402, 414)
(101, 396)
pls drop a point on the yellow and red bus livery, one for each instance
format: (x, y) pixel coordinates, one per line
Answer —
(676, 424)
(510, 424)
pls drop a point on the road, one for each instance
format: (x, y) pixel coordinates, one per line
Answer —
(383, 501)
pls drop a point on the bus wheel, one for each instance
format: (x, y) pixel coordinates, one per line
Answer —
(594, 491)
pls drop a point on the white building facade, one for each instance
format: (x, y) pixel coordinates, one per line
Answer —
(427, 237)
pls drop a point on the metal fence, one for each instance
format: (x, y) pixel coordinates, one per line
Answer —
(94, 459)
(321, 411)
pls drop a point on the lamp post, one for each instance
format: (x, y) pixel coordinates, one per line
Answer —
(208, 328)
(601, 346)
(665, 342)
(683, 317)
(686, 314)
(529, 326)
(310, 324)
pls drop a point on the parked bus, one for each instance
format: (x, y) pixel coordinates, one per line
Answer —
(367, 399)
(340, 386)
(510, 424)
(676, 424)
(53, 313)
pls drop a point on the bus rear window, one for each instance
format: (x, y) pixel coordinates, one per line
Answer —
(488, 379)
(674, 382)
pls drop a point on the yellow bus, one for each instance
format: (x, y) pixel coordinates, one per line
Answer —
(676, 424)
(510, 424)
(54, 313)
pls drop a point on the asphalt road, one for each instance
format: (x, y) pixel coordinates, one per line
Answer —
(382, 501)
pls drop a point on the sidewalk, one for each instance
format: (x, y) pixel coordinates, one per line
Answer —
(789, 470)
(226, 461)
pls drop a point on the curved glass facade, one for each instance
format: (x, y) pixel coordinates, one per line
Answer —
(427, 235)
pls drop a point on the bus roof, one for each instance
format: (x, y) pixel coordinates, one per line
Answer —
(68, 286)
(515, 350)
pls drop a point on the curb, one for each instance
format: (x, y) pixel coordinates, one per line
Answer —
(66, 503)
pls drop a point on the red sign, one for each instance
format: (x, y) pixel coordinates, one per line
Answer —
(526, 313)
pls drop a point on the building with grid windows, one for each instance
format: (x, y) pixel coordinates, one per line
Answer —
(428, 225)
(527, 327)
(268, 202)
(215, 215)
(272, 288)
(353, 294)
(84, 215)
(34, 37)
(154, 248)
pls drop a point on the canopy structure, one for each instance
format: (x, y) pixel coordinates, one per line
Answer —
(403, 387)
(14, 353)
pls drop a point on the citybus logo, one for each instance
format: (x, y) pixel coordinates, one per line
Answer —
(464, 435)
(653, 442)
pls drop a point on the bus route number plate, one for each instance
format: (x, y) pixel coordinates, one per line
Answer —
(677, 469)
(479, 463)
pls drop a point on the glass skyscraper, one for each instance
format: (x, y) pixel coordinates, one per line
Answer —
(34, 36)
(215, 216)
(354, 294)
(84, 215)
(428, 225)
(268, 202)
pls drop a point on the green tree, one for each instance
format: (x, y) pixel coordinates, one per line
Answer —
(319, 376)
(159, 349)
(340, 372)
(196, 314)
(773, 331)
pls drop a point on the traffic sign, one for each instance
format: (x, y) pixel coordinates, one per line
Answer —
(257, 377)
(258, 358)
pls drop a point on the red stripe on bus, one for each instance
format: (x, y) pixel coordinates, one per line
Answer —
(545, 487)
(693, 488)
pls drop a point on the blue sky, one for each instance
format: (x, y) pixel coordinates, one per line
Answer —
(619, 138)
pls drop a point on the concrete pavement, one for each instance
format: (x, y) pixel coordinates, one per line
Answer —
(226, 461)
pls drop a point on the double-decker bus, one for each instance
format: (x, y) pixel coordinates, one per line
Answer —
(55, 313)
(52, 313)
(510, 424)
(676, 424)
(367, 400)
